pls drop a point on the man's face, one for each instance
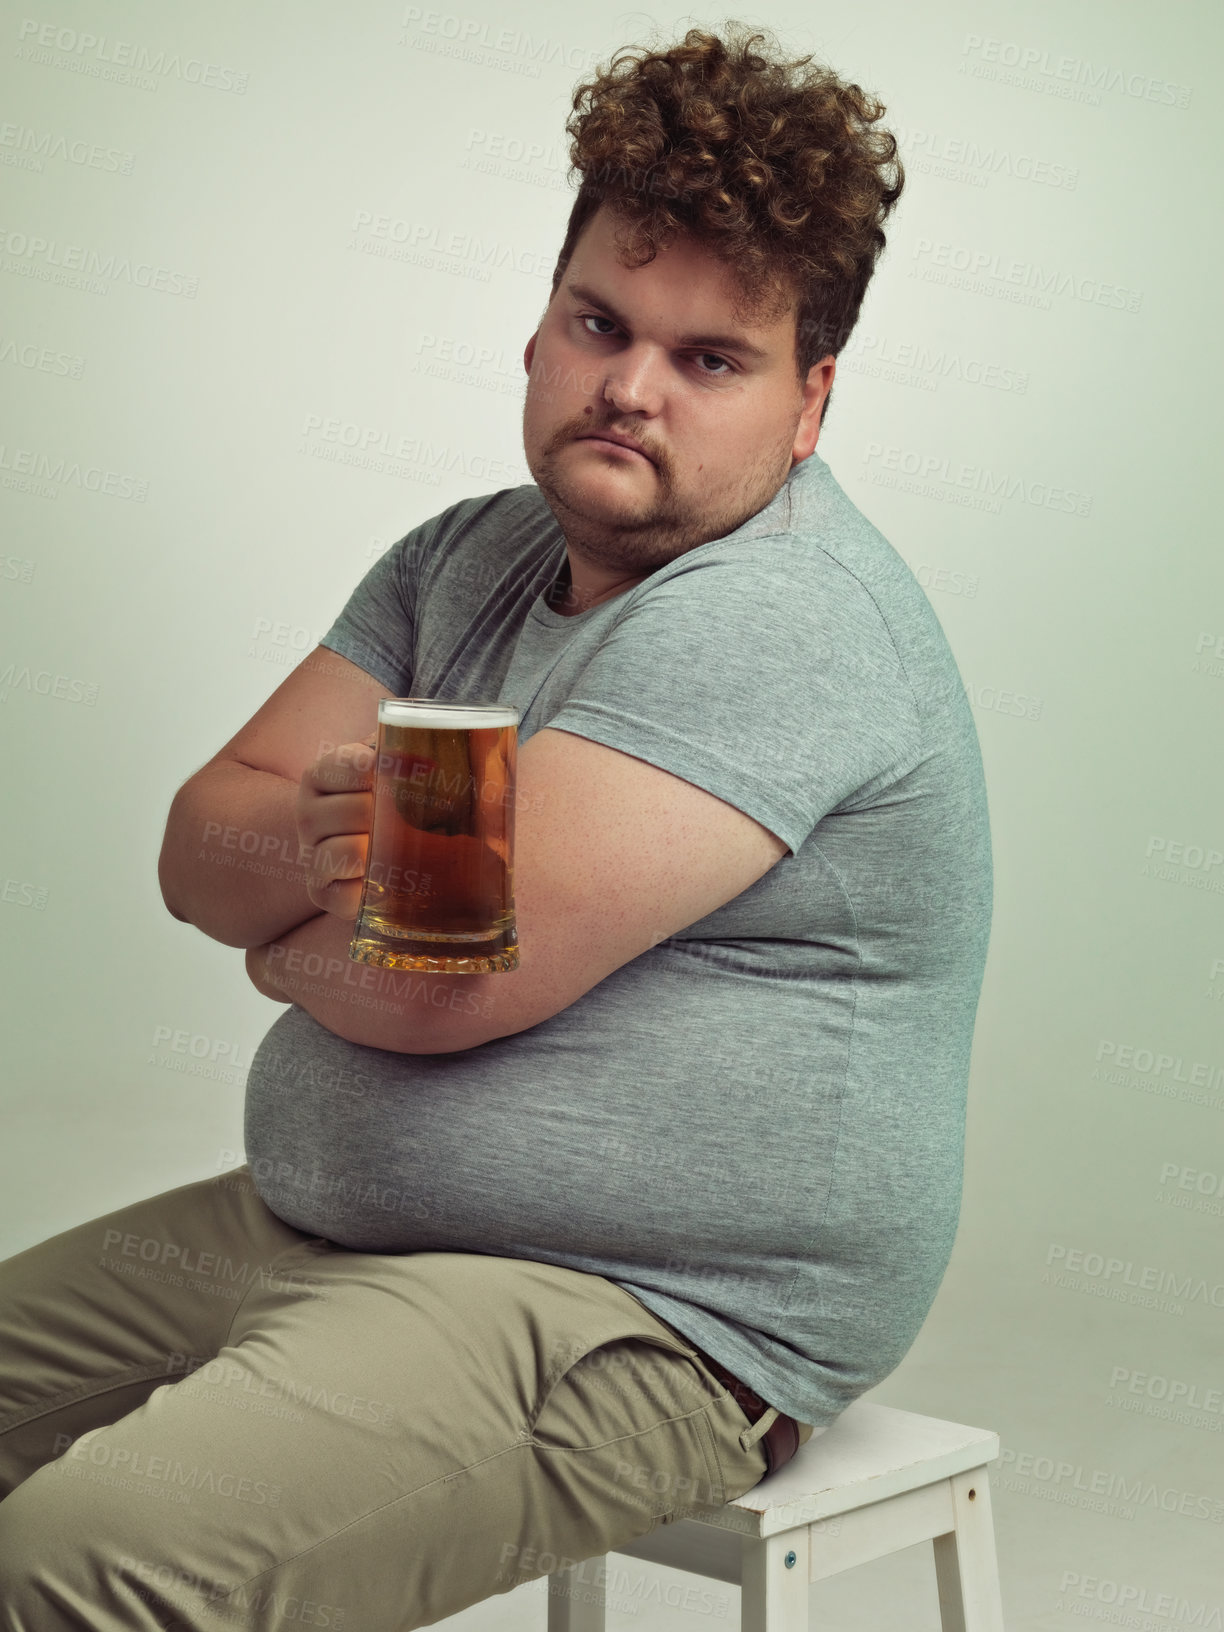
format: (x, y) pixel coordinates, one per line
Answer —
(658, 354)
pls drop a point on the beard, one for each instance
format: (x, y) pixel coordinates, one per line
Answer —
(635, 535)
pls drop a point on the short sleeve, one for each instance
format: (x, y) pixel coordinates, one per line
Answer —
(376, 628)
(765, 675)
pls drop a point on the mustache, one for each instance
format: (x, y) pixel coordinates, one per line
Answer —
(577, 428)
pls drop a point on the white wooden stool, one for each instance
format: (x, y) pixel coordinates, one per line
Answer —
(875, 1481)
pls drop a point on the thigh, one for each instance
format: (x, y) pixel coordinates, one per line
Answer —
(93, 1319)
(422, 1432)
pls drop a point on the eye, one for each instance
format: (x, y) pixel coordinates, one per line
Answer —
(723, 371)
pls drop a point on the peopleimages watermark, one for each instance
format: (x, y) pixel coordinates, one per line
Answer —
(16, 569)
(947, 581)
(176, 1263)
(275, 640)
(1149, 1062)
(913, 362)
(28, 148)
(238, 1383)
(1148, 1071)
(33, 471)
(20, 893)
(1101, 1489)
(508, 50)
(1063, 75)
(1122, 1279)
(1181, 854)
(1175, 861)
(342, 1192)
(514, 158)
(1185, 1200)
(125, 1466)
(425, 244)
(1026, 283)
(1126, 1602)
(413, 458)
(78, 266)
(282, 633)
(606, 1581)
(484, 367)
(957, 158)
(1171, 1391)
(60, 686)
(1209, 655)
(1004, 700)
(213, 1051)
(120, 60)
(160, 1582)
(1200, 1180)
(286, 964)
(282, 1073)
(936, 475)
(34, 355)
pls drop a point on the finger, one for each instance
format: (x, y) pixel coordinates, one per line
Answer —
(338, 858)
(342, 898)
(349, 766)
(324, 816)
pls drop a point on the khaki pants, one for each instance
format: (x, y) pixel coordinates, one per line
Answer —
(209, 1419)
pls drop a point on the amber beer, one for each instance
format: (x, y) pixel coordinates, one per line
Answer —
(438, 892)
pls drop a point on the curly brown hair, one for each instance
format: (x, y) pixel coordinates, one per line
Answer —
(776, 170)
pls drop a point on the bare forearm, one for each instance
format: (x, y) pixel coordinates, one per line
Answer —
(403, 1011)
(230, 861)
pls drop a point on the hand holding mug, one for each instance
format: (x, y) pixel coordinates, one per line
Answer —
(335, 811)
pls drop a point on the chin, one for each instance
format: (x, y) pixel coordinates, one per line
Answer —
(597, 491)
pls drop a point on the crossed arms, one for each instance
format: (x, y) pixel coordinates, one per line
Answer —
(612, 855)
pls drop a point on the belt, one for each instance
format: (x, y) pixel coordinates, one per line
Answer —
(781, 1438)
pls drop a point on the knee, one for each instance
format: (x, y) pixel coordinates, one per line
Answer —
(33, 1540)
(68, 1559)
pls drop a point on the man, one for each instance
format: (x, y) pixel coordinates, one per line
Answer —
(522, 1263)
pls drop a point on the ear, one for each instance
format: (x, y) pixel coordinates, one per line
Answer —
(530, 351)
(819, 384)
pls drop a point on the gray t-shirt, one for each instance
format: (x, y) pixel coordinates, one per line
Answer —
(757, 1126)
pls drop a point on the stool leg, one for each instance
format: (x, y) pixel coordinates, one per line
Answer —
(966, 1568)
(576, 1597)
(773, 1597)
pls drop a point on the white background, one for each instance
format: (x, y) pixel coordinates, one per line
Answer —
(1025, 411)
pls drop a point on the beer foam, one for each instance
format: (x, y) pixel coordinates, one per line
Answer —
(428, 714)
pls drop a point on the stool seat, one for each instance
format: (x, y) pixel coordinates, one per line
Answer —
(876, 1481)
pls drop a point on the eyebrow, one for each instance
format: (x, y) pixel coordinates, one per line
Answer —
(716, 342)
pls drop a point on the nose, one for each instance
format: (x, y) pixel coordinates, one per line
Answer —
(632, 384)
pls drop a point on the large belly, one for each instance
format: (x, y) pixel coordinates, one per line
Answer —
(624, 1130)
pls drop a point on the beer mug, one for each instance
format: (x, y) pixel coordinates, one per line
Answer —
(438, 892)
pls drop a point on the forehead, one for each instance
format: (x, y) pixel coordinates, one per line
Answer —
(687, 281)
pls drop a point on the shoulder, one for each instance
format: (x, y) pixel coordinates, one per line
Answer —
(831, 525)
(477, 543)
(825, 519)
(511, 512)
(808, 554)
(483, 510)
(811, 580)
